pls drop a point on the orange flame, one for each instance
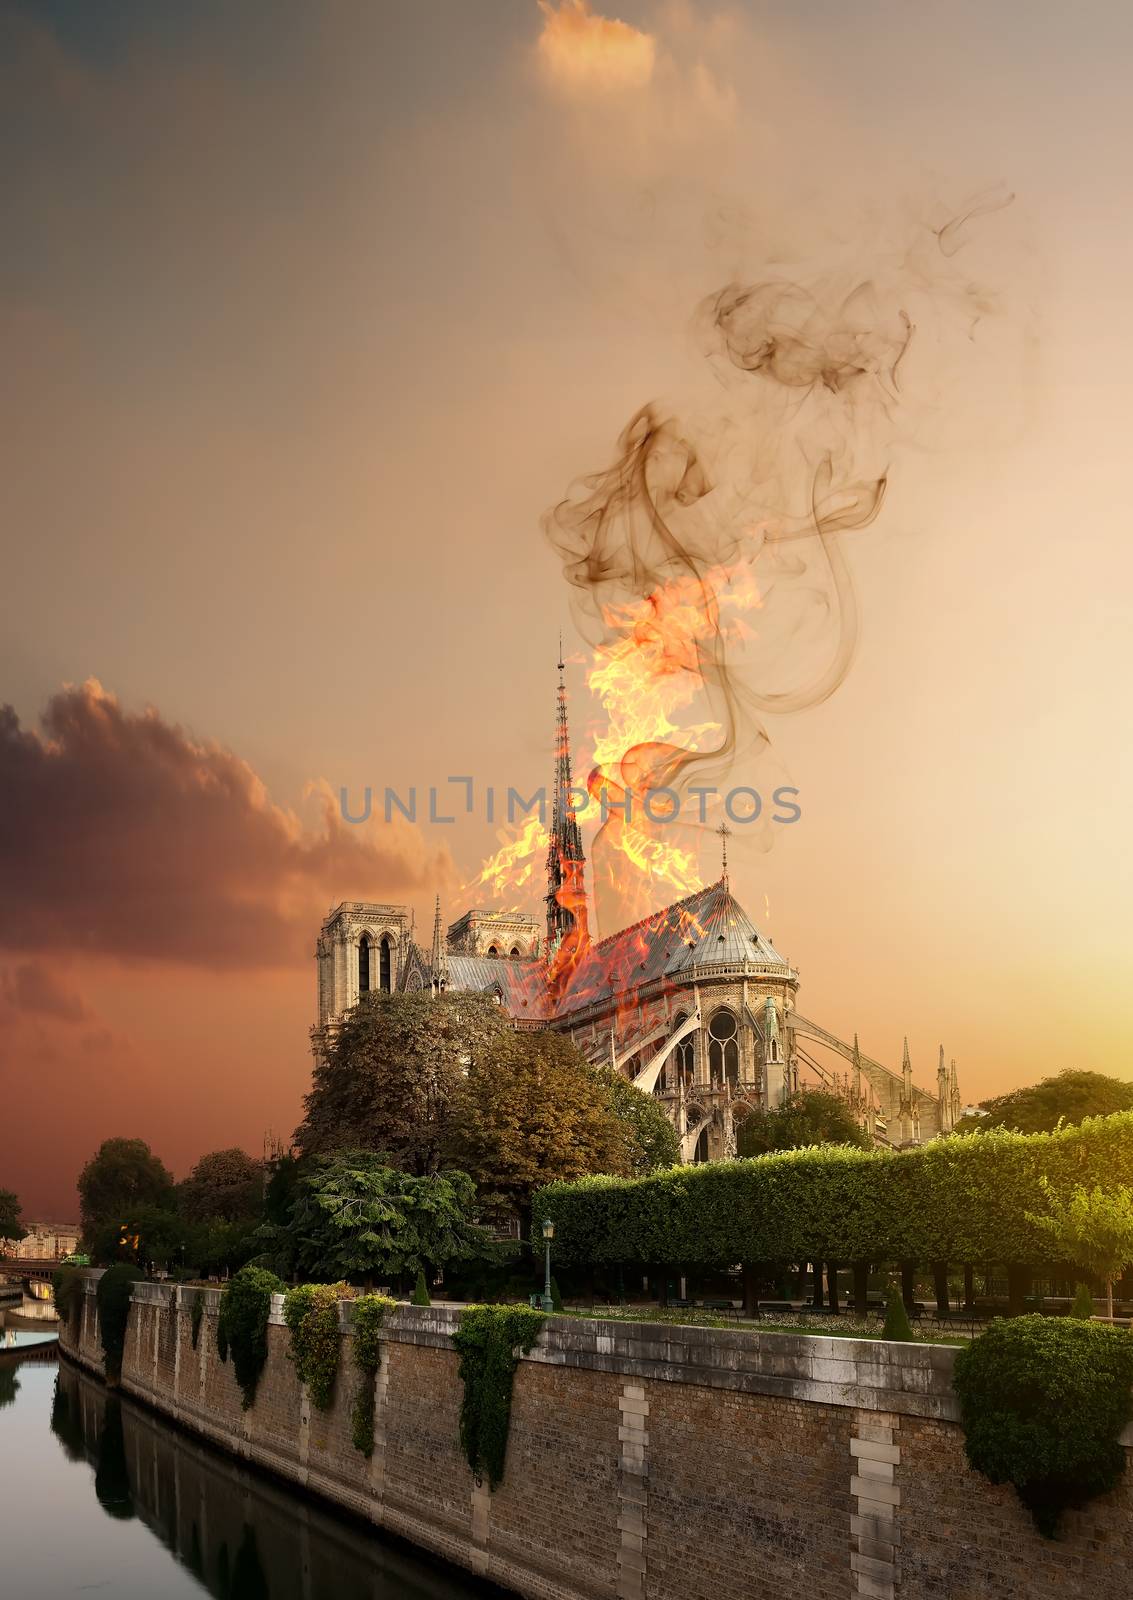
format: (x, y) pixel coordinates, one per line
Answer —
(655, 662)
(514, 866)
(653, 669)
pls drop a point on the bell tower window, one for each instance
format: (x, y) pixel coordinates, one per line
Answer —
(385, 966)
(364, 964)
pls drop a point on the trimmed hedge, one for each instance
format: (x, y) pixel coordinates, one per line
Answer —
(1044, 1402)
(964, 1198)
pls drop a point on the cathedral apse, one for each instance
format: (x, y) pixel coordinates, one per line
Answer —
(691, 1003)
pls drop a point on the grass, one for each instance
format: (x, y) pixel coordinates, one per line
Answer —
(845, 1326)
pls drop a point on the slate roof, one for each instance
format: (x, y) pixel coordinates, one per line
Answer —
(521, 983)
(707, 928)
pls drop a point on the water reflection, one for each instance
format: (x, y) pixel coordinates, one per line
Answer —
(241, 1536)
(9, 1383)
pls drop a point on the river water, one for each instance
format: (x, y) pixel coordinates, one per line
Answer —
(103, 1498)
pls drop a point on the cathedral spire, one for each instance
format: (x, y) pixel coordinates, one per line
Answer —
(857, 1067)
(440, 951)
(566, 863)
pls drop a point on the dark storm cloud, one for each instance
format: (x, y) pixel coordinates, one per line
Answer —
(33, 989)
(122, 835)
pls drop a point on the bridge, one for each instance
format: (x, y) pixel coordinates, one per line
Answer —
(27, 1272)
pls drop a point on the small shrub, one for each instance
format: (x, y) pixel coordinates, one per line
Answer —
(113, 1299)
(1043, 1402)
(369, 1313)
(420, 1290)
(897, 1325)
(1083, 1307)
(489, 1339)
(311, 1313)
(67, 1287)
(195, 1315)
(242, 1326)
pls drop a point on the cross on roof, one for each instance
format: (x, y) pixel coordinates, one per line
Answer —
(725, 834)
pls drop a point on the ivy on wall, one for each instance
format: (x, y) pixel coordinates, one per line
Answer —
(964, 1198)
(1043, 1403)
(112, 1297)
(311, 1313)
(242, 1326)
(195, 1315)
(67, 1287)
(368, 1313)
(490, 1340)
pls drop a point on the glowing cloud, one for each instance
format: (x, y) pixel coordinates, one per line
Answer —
(580, 50)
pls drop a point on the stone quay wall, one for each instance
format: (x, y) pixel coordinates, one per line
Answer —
(645, 1462)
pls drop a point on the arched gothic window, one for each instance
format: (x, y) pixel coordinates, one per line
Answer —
(723, 1049)
(493, 950)
(679, 1067)
(515, 950)
(385, 965)
(364, 964)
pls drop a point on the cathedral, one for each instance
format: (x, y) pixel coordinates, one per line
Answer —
(693, 1004)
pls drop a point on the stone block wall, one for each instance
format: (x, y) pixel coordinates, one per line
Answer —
(646, 1463)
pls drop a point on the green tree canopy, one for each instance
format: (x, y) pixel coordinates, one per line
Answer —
(530, 1112)
(224, 1186)
(391, 1073)
(355, 1218)
(651, 1139)
(1091, 1227)
(121, 1179)
(10, 1224)
(1069, 1096)
(808, 1117)
(146, 1235)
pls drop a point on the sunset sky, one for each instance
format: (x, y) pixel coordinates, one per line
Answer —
(308, 314)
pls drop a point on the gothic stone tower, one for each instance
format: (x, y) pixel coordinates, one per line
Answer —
(361, 947)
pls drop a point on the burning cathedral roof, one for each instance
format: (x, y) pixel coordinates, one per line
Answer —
(707, 929)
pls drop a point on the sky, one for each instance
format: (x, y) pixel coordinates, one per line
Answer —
(308, 317)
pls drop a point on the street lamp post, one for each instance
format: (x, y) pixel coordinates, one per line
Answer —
(548, 1235)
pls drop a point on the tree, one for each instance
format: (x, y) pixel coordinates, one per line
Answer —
(530, 1112)
(651, 1139)
(118, 1182)
(1093, 1228)
(391, 1073)
(146, 1235)
(808, 1117)
(11, 1229)
(897, 1325)
(354, 1217)
(224, 1186)
(1069, 1096)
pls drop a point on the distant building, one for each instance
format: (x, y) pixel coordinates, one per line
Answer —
(46, 1241)
(692, 1004)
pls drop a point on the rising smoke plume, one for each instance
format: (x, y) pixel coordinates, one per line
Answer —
(708, 563)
